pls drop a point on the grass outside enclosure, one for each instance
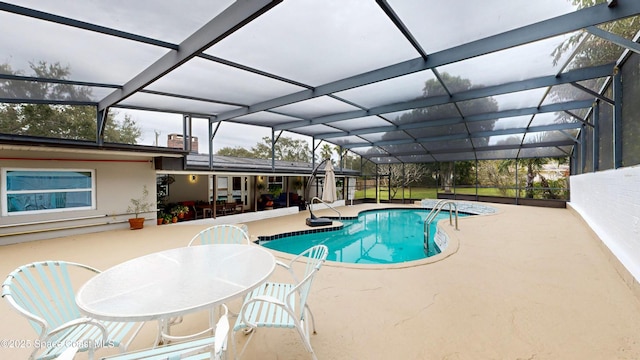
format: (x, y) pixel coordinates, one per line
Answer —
(414, 193)
(486, 191)
(432, 193)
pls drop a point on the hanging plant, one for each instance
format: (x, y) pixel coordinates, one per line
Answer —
(168, 179)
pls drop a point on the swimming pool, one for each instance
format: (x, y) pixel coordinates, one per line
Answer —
(386, 236)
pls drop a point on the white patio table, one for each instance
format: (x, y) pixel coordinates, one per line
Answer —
(175, 282)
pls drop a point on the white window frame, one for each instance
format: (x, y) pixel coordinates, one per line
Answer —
(4, 192)
(276, 180)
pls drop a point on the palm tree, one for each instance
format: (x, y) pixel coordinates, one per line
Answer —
(533, 167)
(326, 152)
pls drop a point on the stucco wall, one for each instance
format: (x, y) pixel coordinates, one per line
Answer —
(118, 179)
(609, 201)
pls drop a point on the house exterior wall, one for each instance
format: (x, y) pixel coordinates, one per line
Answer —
(609, 202)
(118, 179)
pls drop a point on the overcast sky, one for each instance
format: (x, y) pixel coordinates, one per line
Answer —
(228, 134)
(310, 41)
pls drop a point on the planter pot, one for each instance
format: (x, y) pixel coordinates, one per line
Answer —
(181, 216)
(175, 219)
(136, 223)
(160, 221)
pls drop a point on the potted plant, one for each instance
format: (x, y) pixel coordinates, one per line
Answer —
(179, 211)
(167, 218)
(160, 217)
(275, 191)
(138, 206)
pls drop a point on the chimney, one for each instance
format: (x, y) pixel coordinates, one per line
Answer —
(176, 141)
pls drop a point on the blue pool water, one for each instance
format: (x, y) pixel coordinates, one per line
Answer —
(376, 237)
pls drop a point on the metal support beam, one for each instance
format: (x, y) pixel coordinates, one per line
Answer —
(186, 133)
(237, 15)
(384, 5)
(517, 183)
(273, 150)
(575, 116)
(583, 148)
(595, 115)
(592, 93)
(617, 118)
(313, 153)
(212, 135)
(15, 9)
(570, 105)
(616, 39)
(551, 127)
(557, 143)
(567, 23)
(100, 125)
(535, 83)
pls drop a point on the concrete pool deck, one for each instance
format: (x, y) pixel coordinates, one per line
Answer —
(525, 283)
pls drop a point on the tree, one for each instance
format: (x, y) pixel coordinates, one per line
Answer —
(57, 121)
(235, 152)
(455, 84)
(351, 161)
(326, 152)
(401, 176)
(593, 51)
(596, 50)
(492, 173)
(532, 167)
(287, 149)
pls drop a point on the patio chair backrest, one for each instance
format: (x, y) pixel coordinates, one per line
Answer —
(315, 257)
(221, 234)
(284, 305)
(195, 349)
(44, 293)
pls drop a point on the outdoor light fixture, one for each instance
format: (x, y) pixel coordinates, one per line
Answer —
(192, 178)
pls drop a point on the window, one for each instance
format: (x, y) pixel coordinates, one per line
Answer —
(275, 183)
(29, 191)
(223, 187)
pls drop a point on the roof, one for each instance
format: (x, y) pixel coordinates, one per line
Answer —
(391, 80)
(256, 166)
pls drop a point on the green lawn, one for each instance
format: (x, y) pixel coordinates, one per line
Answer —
(432, 193)
(415, 193)
(429, 193)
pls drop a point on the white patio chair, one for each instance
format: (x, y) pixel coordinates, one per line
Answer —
(221, 234)
(217, 234)
(283, 305)
(44, 293)
(214, 347)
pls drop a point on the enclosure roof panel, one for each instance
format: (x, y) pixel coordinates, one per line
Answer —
(394, 81)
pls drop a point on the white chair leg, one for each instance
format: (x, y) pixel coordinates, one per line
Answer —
(305, 340)
(313, 320)
(244, 347)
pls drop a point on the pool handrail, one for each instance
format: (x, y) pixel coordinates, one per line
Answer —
(433, 214)
(327, 204)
